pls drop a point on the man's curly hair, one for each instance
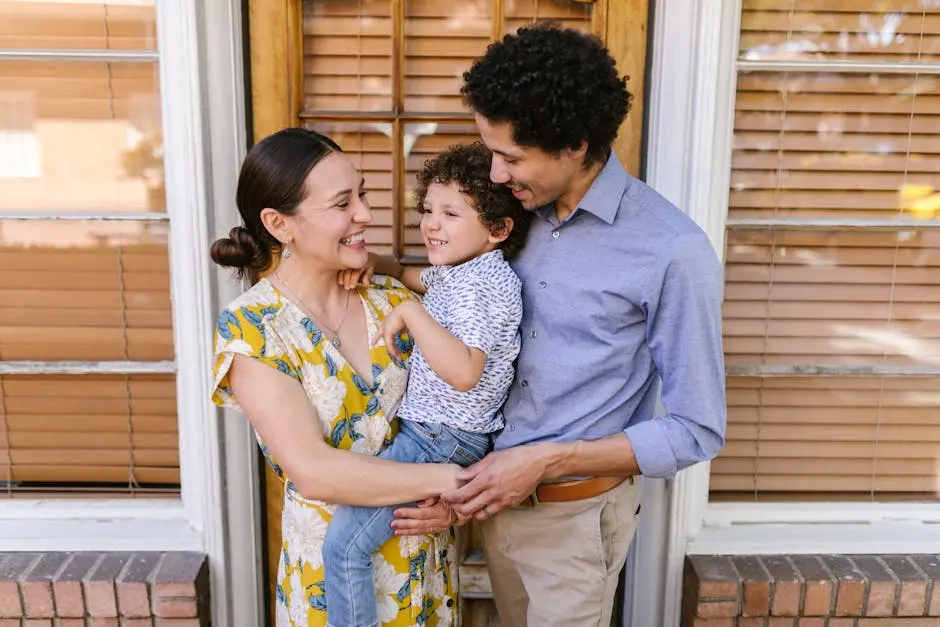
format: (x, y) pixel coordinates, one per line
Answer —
(557, 87)
(468, 165)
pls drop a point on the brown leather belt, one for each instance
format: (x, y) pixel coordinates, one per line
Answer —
(575, 490)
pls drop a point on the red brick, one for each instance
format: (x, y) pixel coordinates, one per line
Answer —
(841, 622)
(177, 573)
(699, 622)
(99, 585)
(137, 622)
(36, 585)
(180, 608)
(781, 622)
(930, 565)
(10, 605)
(103, 621)
(69, 622)
(912, 600)
(717, 578)
(756, 584)
(882, 588)
(787, 587)
(812, 622)
(706, 609)
(757, 621)
(851, 582)
(132, 591)
(194, 622)
(899, 622)
(819, 586)
(10, 622)
(37, 622)
(67, 586)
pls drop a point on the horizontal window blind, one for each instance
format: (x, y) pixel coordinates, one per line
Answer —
(383, 79)
(84, 260)
(107, 435)
(858, 30)
(831, 331)
(85, 25)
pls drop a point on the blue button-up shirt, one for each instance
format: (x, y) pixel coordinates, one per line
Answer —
(623, 294)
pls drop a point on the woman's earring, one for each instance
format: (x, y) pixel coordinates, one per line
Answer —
(285, 252)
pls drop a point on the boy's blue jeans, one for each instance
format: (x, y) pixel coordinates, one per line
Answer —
(355, 533)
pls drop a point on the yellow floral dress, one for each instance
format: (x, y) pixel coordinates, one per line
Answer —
(415, 577)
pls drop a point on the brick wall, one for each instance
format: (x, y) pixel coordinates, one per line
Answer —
(104, 590)
(812, 591)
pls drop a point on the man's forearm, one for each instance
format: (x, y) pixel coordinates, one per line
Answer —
(610, 456)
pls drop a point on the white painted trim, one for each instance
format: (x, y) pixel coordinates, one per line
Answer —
(91, 509)
(89, 216)
(86, 367)
(729, 514)
(110, 56)
(238, 585)
(849, 538)
(691, 120)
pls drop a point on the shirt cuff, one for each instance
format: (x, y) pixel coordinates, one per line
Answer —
(651, 448)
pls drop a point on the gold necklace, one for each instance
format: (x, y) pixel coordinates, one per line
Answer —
(335, 341)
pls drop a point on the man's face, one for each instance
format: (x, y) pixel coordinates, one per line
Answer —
(535, 177)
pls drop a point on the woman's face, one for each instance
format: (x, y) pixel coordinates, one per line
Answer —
(328, 226)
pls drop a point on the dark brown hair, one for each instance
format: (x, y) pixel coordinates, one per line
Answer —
(272, 175)
(468, 165)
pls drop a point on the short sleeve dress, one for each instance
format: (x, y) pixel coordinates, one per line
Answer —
(415, 577)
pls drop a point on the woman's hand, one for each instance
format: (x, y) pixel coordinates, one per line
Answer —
(351, 278)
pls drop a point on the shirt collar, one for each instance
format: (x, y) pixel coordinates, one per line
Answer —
(603, 197)
(435, 275)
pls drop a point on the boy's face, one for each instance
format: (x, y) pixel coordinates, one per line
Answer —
(535, 177)
(451, 227)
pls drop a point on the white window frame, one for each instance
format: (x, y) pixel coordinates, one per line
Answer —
(202, 96)
(693, 75)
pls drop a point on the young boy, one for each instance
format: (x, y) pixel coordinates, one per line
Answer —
(466, 338)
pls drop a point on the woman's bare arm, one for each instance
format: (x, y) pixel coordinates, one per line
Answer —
(278, 408)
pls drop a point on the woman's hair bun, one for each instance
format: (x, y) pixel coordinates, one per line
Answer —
(241, 250)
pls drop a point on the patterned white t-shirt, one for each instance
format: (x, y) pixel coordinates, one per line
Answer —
(479, 302)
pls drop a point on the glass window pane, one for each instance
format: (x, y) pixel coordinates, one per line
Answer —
(370, 147)
(88, 435)
(422, 142)
(845, 298)
(834, 438)
(836, 146)
(78, 25)
(570, 13)
(80, 137)
(441, 41)
(95, 291)
(856, 30)
(347, 55)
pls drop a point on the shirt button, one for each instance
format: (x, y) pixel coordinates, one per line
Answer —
(543, 284)
(555, 234)
(524, 383)
(533, 334)
(511, 427)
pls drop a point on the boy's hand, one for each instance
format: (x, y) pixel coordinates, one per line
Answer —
(393, 324)
(354, 277)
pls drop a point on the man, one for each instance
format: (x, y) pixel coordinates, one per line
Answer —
(620, 290)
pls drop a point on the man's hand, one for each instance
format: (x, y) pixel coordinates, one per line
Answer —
(498, 482)
(430, 516)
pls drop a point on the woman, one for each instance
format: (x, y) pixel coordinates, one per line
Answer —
(294, 354)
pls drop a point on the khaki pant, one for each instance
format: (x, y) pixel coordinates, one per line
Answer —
(557, 564)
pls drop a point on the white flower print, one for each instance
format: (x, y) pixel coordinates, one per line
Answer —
(294, 332)
(325, 392)
(388, 582)
(371, 431)
(433, 579)
(410, 545)
(390, 386)
(304, 528)
(299, 605)
(282, 616)
(444, 615)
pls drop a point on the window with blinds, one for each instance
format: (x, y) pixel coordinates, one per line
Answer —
(382, 78)
(831, 323)
(87, 384)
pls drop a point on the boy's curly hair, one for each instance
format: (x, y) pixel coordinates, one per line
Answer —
(557, 87)
(468, 165)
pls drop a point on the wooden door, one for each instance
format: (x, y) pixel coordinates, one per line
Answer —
(382, 78)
